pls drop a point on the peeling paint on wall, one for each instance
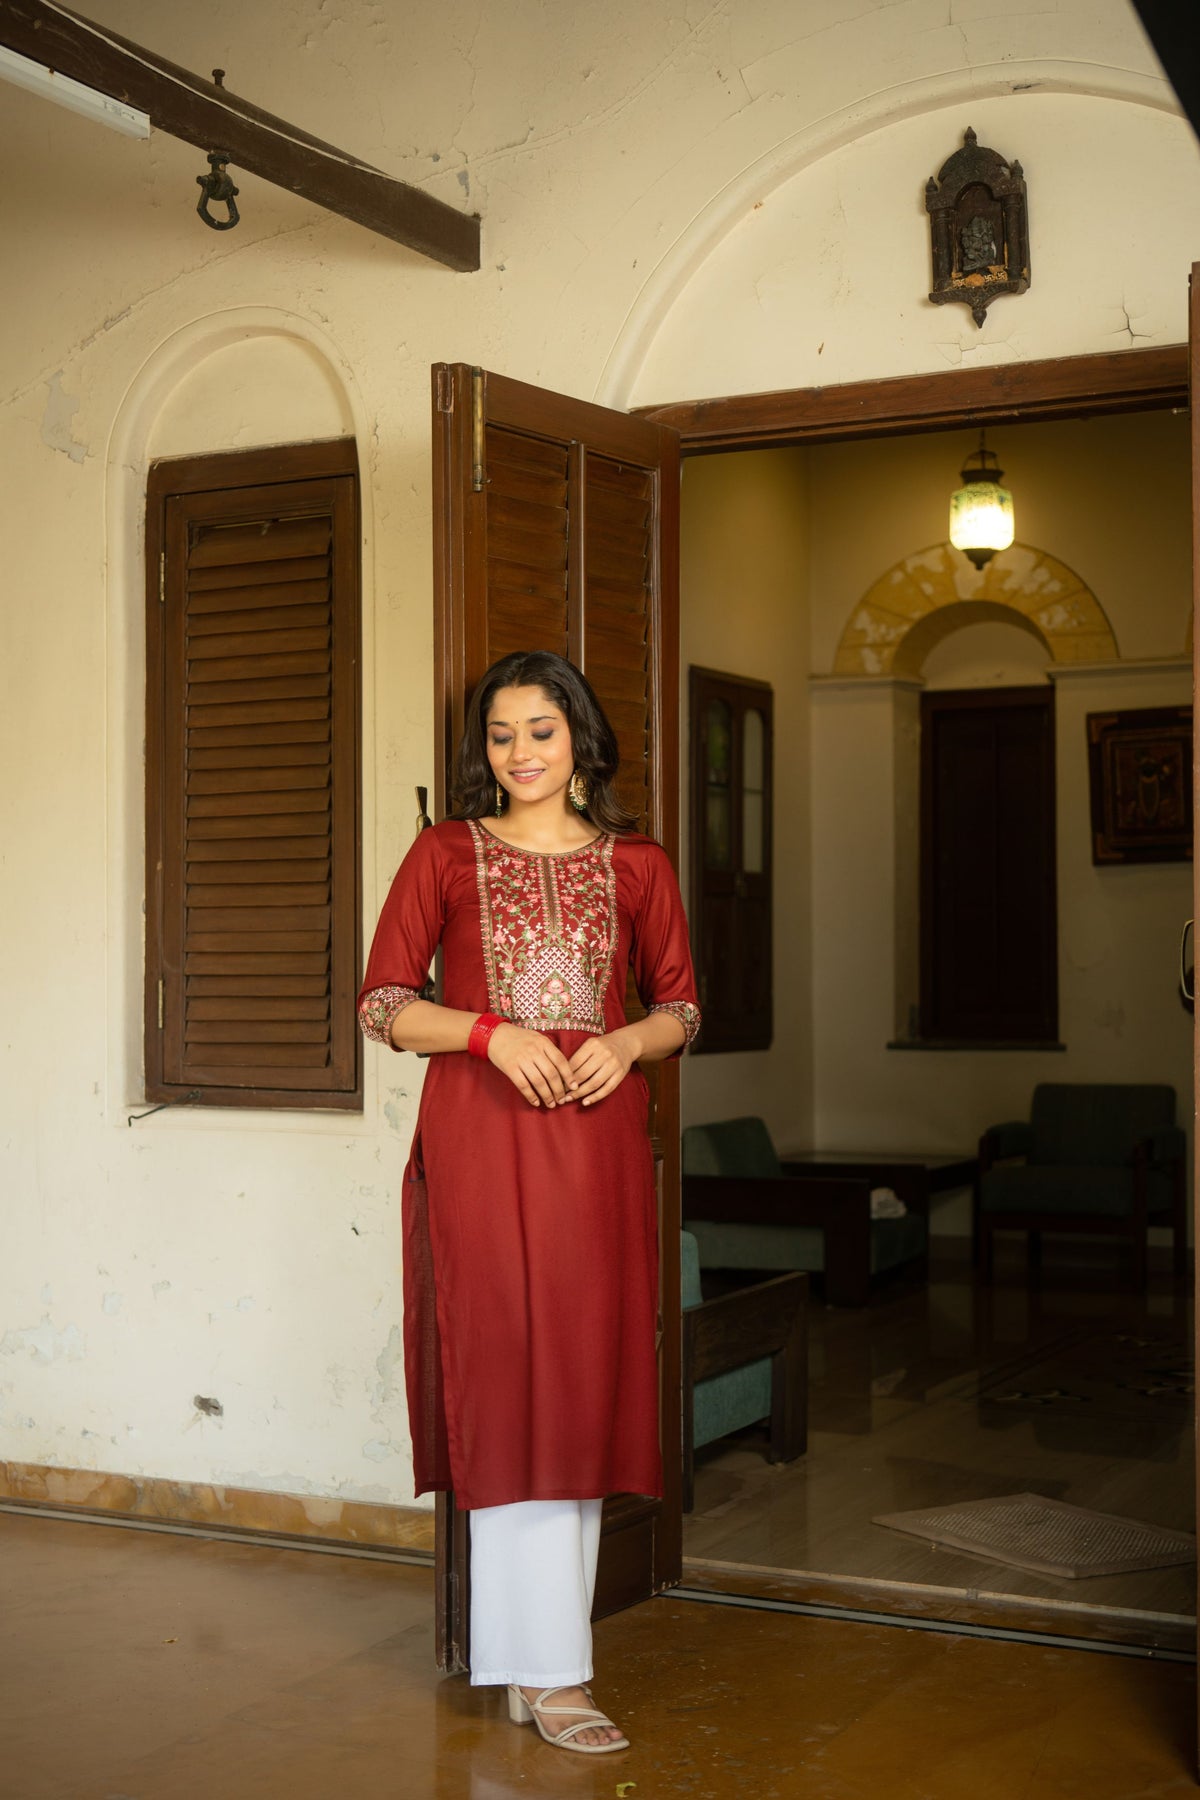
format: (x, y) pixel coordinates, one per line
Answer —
(56, 420)
(390, 1364)
(45, 1342)
(379, 1449)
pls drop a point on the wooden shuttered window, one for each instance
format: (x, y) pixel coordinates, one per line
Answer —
(253, 933)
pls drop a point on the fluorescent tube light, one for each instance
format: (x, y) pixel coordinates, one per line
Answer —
(24, 72)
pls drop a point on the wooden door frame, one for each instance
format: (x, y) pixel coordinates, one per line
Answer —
(1057, 388)
(1066, 387)
(1193, 352)
(1063, 387)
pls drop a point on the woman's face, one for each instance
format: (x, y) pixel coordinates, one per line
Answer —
(529, 746)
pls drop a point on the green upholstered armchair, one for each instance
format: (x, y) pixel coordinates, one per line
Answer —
(745, 1358)
(1094, 1158)
(749, 1210)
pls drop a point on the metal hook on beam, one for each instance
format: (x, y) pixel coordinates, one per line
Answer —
(217, 186)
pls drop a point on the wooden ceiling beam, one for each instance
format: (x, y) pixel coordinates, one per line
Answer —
(189, 107)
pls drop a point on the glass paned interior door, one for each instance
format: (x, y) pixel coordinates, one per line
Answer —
(753, 788)
(718, 809)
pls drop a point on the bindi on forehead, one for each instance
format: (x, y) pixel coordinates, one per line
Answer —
(545, 713)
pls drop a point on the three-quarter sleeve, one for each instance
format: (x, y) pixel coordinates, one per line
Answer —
(408, 933)
(662, 957)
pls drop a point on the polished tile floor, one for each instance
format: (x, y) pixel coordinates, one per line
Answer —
(143, 1666)
(1074, 1388)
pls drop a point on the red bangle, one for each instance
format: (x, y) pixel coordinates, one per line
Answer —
(481, 1034)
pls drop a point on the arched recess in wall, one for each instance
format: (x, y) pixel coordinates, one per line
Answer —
(920, 600)
(752, 183)
(239, 379)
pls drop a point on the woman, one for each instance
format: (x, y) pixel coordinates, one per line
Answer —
(531, 1266)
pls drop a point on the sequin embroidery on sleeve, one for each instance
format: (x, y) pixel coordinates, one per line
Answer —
(378, 1009)
(687, 1014)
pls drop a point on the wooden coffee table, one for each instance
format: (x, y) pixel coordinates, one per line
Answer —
(913, 1175)
(830, 1189)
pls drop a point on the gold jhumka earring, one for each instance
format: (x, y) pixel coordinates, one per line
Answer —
(499, 800)
(578, 791)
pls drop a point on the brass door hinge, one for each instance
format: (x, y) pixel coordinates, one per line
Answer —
(477, 470)
(160, 1003)
(162, 577)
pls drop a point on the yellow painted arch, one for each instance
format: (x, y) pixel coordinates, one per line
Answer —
(894, 626)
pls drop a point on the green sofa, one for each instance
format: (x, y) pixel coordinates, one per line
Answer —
(749, 1210)
(745, 1358)
(1096, 1158)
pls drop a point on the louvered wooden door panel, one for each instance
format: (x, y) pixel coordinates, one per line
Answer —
(617, 620)
(556, 527)
(254, 909)
(527, 538)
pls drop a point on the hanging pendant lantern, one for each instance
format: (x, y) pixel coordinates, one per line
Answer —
(981, 511)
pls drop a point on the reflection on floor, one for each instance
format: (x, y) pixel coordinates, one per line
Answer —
(1074, 1389)
(138, 1666)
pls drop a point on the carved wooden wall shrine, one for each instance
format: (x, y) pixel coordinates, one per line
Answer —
(980, 228)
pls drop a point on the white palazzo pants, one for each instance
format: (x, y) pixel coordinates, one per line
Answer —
(533, 1576)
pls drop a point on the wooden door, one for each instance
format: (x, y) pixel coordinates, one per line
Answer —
(556, 527)
(1194, 378)
(989, 941)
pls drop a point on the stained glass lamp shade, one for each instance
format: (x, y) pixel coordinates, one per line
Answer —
(981, 511)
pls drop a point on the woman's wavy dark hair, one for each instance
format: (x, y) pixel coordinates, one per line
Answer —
(593, 740)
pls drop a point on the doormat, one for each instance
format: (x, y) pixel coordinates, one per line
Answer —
(1028, 1531)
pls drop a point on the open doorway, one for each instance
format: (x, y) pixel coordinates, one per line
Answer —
(824, 570)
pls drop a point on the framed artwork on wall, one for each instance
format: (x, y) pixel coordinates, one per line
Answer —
(1140, 772)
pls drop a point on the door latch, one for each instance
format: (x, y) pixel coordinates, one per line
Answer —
(1188, 992)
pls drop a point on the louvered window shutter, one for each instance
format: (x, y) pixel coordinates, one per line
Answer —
(253, 750)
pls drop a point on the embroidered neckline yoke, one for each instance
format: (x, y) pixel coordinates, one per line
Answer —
(549, 927)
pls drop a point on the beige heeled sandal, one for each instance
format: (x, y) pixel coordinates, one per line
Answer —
(521, 1711)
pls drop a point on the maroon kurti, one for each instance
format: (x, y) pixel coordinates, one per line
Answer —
(530, 1240)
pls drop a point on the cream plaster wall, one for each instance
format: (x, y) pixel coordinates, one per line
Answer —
(610, 150)
(743, 601)
(1109, 497)
(790, 295)
(986, 656)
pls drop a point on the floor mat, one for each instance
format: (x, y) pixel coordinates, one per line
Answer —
(1028, 1531)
